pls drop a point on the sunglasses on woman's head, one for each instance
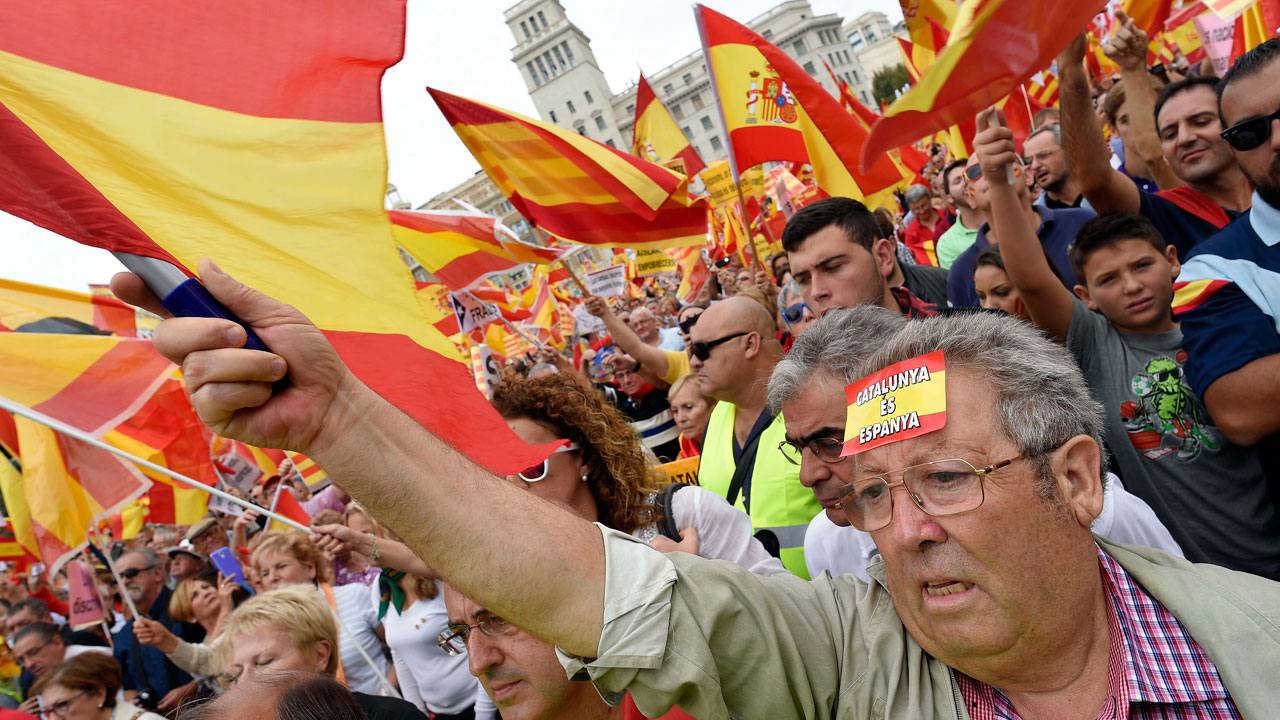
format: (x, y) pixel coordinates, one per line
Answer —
(535, 473)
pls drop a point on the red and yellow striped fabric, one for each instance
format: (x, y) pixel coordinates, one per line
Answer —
(773, 110)
(657, 137)
(312, 474)
(925, 18)
(65, 487)
(1190, 295)
(1150, 15)
(89, 381)
(461, 248)
(24, 306)
(167, 432)
(572, 186)
(1257, 24)
(435, 303)
(261, 149)
(1046, 92)
(995, 46)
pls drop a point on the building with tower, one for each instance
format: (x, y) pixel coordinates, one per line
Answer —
(568, 88)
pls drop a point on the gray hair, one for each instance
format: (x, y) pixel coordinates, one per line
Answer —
(789, 289)
(1041, 397)
(838, 342)
(149, 554)
(915, 193)
(1055, 130)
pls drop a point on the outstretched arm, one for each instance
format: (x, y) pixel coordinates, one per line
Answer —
(1127, 48)
(649, 357)
(552, 583)
(1108, 189)
(1048, 301)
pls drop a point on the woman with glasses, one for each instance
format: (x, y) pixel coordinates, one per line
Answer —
(690, 409)
(86, 688)
(794, 313)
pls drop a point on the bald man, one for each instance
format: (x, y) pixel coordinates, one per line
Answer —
(646, 327)
(733, 349)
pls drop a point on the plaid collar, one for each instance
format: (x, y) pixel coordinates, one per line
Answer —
(912, 306)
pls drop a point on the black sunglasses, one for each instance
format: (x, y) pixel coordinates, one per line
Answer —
(702, 350)
(973, 172)
(132, 573)
(686, 325)
(1250, 134)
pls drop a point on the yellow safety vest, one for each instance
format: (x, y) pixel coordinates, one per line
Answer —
(779, 503)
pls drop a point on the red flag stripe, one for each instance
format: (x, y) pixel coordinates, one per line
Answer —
(97, 399)
(215, 54)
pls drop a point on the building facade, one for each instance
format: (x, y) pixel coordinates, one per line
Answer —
(569, 89)
(874, 40)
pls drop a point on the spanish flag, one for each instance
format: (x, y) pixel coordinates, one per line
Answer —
(657, 137)
(245, 131)
(929, 22)
(435, 302)
(1192, 294)
(995, 46)
(773, 110)
(35, 308)
(461, 248)
(1255, 25)
(572, 186)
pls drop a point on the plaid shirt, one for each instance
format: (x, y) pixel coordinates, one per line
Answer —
(912, 306)
(1156, 670)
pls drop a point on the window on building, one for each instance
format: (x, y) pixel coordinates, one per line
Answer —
(809, 68)
(542, 70)
(716, 145)
(567, 52)
(631, 109)
(668, 89)
(677, 111)
(706, 122)
(599, 122)
(533, 23)
(610, 143)
(572, 109)
(543, 18)
(559, 58)
(767, 34)
(688, 78)
(525, 27)
(587, 94)
(580, 129)
(698, 102)
(798, 47)
(855, 76)
(533, 73)
(552, 113)
(687, 132)
(865, 100)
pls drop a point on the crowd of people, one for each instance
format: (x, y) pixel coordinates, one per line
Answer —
(1093, 532)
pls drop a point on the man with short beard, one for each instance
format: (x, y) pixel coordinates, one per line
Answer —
(1047, 162)
(1228, 294)
(1187, 122)
(146, 668)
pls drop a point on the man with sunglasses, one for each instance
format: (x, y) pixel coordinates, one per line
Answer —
(657, 366)
(1184, 116)
(734, 349)
(146, 669)
(1228, 293)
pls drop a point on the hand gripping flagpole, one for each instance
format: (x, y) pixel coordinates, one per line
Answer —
(65, 429)
(77, 433)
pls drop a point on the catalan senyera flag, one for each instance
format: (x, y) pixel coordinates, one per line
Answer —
(461, 247)
(251, 133)
(1255, 25)
(657, 137)
(34, 308)
(66, 486)
(167, 432)
(89, 381)
(571, 186)
(773, 110)
(1044, 92)
(311, 473)
(995, 46)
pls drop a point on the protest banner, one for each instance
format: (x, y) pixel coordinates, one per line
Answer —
(682, 471)
(586, 322)
(607, 283)
(1216, 35)
(236, 470)
(652, 262)
(472, 313)
(905, 400)
(86, 605)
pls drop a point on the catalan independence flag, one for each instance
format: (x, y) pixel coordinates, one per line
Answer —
(574, 187)
(461, 247)
(774, 110)
(657, 137)
(248, 132)
(994, 46)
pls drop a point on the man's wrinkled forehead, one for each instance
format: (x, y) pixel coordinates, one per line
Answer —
(461, 609)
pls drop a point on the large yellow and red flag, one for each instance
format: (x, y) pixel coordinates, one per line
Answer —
(249, 132)
(773, 110)
(462, 247)
(572, 186)
(995, 46)
(929, 21)
(1256, 24)
(65, 487)
(657, 137)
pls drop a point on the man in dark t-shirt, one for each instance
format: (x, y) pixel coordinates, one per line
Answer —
(646, 409)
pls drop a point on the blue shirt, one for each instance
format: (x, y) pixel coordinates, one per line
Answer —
(1057, 230)
(162, 675)
(1178, 227)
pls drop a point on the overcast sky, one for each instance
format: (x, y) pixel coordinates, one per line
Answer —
(463, 48)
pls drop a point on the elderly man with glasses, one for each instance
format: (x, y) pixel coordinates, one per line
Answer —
(161, 685)
(996, 600)
(38, 647)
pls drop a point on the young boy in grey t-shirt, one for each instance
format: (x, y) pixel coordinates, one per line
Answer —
(1210, 494)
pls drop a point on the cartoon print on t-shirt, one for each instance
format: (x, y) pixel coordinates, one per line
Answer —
(1165, 418)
